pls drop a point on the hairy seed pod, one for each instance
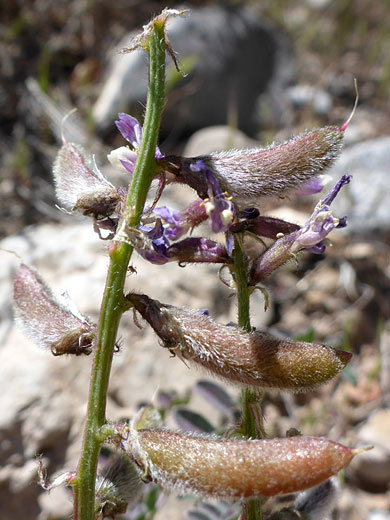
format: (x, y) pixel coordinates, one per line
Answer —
(256, 359)
(80, 186)
(234, 468)
(50, 322)
(247, 175)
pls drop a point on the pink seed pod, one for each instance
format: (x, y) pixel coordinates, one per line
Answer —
(234, 468)
(256, 359)
(248, 175)
(50, 322)
(80, 186)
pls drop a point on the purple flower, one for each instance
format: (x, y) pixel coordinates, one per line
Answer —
(311, 237)
(179, 222)
(152, 244)
(131, 130)
(123, 156)
(218, 207)
(321, 223)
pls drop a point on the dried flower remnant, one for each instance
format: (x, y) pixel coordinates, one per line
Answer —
(50, 322)
(256, 359)
(248, 175)
(213, 467)
(142, 39)
(80, 186)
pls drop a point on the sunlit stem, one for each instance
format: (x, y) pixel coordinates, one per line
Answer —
(113, 304)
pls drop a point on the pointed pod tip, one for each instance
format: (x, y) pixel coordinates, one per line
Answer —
(358, 451)
(344, 356)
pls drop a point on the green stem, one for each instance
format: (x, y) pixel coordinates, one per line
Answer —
(251, 508)
(113, 304)
(241, 279)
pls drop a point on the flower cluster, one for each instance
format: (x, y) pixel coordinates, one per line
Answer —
(224, 182)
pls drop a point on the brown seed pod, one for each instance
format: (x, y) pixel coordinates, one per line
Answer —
(234, 468)
(247, 175)
(256, 359)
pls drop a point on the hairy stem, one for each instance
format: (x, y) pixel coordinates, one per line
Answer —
(251, 508)
(114, 304)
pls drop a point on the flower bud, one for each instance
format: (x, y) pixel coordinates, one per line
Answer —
(50, 322)
(198, 250)
(80, 186)
(252, 359)
(264, 226)
(248, 175)
(189, 463)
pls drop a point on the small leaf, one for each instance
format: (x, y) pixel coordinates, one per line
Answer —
(152, 497)
(308, 336)
(192, 421)
(198, 515)
(217, 396)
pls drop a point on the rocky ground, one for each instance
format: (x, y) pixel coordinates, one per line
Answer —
(66, 50)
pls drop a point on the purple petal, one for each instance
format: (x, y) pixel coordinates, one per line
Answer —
(153, 256)
(129, 128)
(176, 220)
(169, 215)
(214, 189)
(316, 229)
(128, 166)
(345, 179)
(220, 210)
(318, 249)
(315, 185)
(229, 243)
(343, 222)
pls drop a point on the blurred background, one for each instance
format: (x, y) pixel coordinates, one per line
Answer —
(256, 71)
